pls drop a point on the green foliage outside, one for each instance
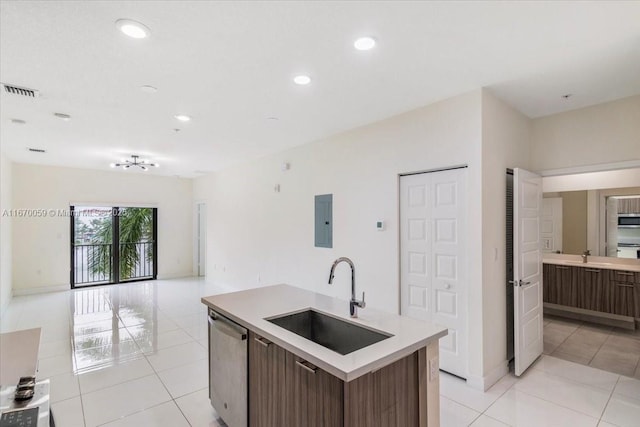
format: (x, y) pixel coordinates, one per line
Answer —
(136, 226)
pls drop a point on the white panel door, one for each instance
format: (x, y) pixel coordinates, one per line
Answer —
(527, 268)
(433, 258)
(448, 266)
(415, 246)
(551, 224)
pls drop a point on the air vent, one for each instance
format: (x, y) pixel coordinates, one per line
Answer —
(22, 91)
(37, 150)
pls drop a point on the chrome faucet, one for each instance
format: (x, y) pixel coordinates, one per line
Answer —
(353, 303)
(585, 254)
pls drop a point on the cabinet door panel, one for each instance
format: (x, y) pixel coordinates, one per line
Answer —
(314, 397)
(388, 397)
(559, 285)
(622, 298)
(267, 386)
(590, 288)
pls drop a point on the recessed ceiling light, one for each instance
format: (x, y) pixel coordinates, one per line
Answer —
(148, 89)
(364, 43)
(182, 117)
(302, 79)
(133, 29)
(18, 121)
(272, 119)
(62, 116)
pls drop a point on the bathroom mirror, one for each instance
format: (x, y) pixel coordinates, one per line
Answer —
(581, 216)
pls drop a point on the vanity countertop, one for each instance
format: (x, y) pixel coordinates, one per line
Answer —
(251, 307)
(593, 262)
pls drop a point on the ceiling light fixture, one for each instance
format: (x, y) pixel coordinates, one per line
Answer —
(148, 89)
(62, 116)
(142, 164)
(365, 43)
(302, 80)
(182, 117)
(133, 29)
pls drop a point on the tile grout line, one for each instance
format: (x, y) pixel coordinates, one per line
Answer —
(135, 413)
(609, 400)
(498, 398)
(558, 405)
(599, 348)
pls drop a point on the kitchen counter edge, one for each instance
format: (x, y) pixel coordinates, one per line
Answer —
(346, 367)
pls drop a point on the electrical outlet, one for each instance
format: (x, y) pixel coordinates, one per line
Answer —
(434, 369)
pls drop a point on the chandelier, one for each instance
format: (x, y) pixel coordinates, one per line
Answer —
(141, 163)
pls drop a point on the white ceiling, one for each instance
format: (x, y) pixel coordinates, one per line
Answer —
(230, 66)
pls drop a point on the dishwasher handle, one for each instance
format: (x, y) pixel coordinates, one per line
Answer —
(227, 326)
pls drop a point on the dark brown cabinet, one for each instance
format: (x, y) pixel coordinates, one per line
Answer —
(622, 293)
(287, 391)
(313, 397)
(590, 285)
(559, 285)
(596, 289)
(267, 388)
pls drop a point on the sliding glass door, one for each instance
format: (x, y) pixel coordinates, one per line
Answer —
(112, 245)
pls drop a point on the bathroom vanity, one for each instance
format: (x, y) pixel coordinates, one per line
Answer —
(308, 363)
(600, 290)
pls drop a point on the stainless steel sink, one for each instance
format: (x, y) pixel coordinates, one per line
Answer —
(335, 334)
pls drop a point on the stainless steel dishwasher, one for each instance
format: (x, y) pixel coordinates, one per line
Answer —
(228, 369)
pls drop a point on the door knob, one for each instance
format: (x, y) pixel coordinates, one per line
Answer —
(447, 286)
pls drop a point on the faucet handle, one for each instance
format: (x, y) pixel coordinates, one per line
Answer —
(362, 302)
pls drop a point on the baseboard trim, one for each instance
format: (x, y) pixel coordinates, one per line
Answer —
(484, 383)
(39, 290)
(174, 276)
(602, 318)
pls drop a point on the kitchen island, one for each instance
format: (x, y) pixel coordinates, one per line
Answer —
(294, 381)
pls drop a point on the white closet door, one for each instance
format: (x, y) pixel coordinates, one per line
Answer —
(433, 258)
(415, 246)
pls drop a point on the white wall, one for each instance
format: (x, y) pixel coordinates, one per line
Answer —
(254, 231)
(5, 232)
(604, 133)
(41, 245)
(593, 180)
(506, 143)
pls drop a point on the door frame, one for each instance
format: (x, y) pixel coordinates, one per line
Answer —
(115, 243)
(199, 233)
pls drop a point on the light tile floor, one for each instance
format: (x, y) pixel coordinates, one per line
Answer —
(612, 349)
(135, 355)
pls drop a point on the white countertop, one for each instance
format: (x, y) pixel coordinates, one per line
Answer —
(626, 264)
(18, 355)
(250, 308)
